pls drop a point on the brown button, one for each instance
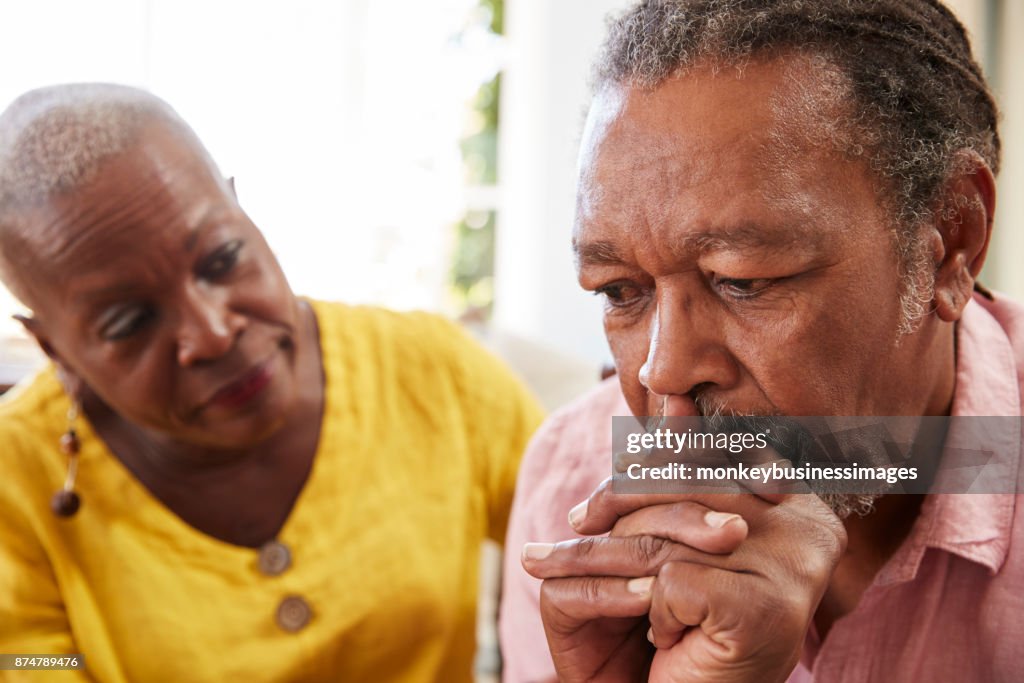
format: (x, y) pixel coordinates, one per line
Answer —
(293, 614)
(274, 558)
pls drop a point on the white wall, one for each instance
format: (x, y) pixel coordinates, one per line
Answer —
(543, 104)
(1006, 255)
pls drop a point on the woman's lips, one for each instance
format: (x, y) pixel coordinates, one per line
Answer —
(244, 389)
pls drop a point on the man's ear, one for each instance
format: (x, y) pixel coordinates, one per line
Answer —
(72, 382)
(964, 226)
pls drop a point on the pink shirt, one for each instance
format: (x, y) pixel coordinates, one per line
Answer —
(949, 604)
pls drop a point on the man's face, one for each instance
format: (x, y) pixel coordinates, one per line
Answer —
(154, 288)
(739, 262)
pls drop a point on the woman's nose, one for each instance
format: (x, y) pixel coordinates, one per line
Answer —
(208, 328)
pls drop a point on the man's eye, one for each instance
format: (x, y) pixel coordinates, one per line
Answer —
(221, 262)
(620, 294)
(742, 288)
(125, 322)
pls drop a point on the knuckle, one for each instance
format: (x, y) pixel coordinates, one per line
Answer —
(824, 547)
(586, 547)
(670, 573)
(685, 509)
(649, 549)
(590, 589)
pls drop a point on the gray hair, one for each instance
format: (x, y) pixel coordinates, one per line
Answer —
(915, 95)
(53, 141)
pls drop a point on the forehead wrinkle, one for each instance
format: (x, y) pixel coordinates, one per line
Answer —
(644, 171)
(750, 236)
(63, 239)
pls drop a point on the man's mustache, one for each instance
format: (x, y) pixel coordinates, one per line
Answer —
(788, 437)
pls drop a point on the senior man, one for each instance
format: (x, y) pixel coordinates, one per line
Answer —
(785, 205)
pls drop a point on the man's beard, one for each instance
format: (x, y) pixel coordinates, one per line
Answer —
(718, 416)
(845, 504)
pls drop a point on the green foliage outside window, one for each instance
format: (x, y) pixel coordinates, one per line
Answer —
(472, 276)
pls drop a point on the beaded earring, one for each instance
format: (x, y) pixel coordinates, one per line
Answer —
(66, 502)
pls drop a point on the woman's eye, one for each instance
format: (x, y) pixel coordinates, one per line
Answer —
(125, 322)
(620, 294)
(222, 261)
(742, 288)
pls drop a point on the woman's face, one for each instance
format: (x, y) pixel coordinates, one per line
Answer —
(152, 288)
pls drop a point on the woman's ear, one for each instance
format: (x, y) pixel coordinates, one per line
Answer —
(33, 327)
(73, 384)
(964, 226)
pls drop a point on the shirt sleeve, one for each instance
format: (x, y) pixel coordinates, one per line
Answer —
(524, 646)
(566, 460)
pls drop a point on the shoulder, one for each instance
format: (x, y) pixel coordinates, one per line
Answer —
(32, 419)
(31, 396)
(574, 445)
(31, 411)
(567, 459)
(372, 333)
(585, 423)
(1009, 313)
(991, 342)
(425, 357)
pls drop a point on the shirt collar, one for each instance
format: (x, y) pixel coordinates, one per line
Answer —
(974, 526)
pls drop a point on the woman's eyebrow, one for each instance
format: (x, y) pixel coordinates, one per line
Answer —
(96, 297)
(208, 220)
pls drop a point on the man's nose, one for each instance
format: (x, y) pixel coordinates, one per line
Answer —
(686, 349)
(208, 327)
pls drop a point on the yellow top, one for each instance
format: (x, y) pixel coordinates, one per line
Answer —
(417, 460)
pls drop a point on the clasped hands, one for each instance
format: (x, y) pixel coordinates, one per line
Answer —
(723, 585)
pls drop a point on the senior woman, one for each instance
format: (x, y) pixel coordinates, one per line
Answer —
(216, 480)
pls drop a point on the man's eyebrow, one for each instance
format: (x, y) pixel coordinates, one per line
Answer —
(750, 236)
(742, 236)
(599, 252)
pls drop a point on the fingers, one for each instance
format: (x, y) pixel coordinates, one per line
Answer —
(623, 557)
(600, 512)
(688, 523)
(595, 628)
(710, 624)
(682, 598)
(568, 603)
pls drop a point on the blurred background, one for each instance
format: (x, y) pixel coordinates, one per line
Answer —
(411, 153)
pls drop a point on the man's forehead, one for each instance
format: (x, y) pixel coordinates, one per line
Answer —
(714, 149)
(786, 103)
(734, 100)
